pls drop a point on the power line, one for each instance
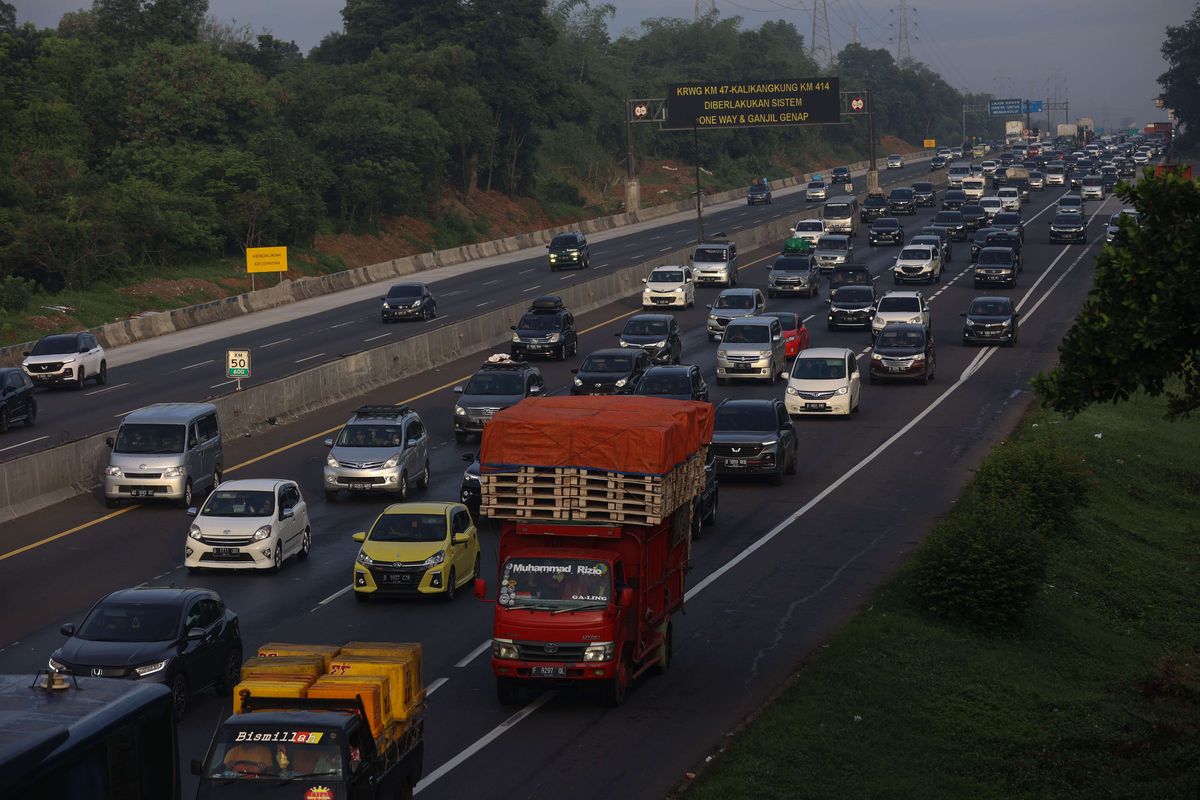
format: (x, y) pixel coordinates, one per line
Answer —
(822, 42)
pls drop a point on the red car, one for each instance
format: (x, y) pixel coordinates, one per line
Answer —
(795, 334)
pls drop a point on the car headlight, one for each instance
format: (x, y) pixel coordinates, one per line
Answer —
(553, 257)
(578, 382)
(70, 360)
(792, 390)
(914, 321)
(435, 559)
(459, 411)
(876, 357)
(1007, 323)
(722, 353)
(114, 472)
(841, 390)
(194, 532)
(56, 665)
(600, 651)
(769, 443)
(150, 669)
(919, 357)
(970, 323)
(516, 337)
(392, 462)
(554, 337)
(621, 382)
(363, 558)
(173, 472)
(467, 476)
(712, 318)
(385, 305)
(503, 648)
(663, 343)
(764, 353)
(262, 533)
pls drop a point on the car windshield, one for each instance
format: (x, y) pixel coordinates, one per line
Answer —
(1007, 192)
(710, 254)
(369, 436)
(902, 194)
(408, 528)
(819, 369)
(55, 345)
(836, 211)
(646, 327)
(747, 334)
(916, 253)
(734, 301)
(560, 583)
(853, 294)
(495, 382)
(956, 194)
(668, 383)
(996, 256)
(607, 363)
(948, 216)
(1068, 202)
(1005, 239)
(253, 753)
(1115, 219)
(890, 337)
(408, 290)
(1091, 181)
(564, 242)
(886, 223)
(791, 265)
(989, 202)
(1068, 220)
(832, 244)
(899, 304)
(810, 225)
(975, 210)
(745, 417)
(990, 308)
(923, 187)
(239, 503)
(149, 439)
(757, 187)
(538, 322)
(130, 622)
(666, 276)
(816, 184)
(1007, 218)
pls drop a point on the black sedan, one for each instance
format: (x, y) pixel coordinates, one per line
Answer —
(657, 334)
(990, 320)
(903, 351)
(852, 307)
(902, 200)
(759, 193)
(937, 162)
(953, 199)
(613, 371)
(925, 193)
(952, 223)
(886, 230)
(17, 403)
(974, 216)
(1009, 221)
(1067, 227)
(408, 301)
(682, 382)
(184, 638)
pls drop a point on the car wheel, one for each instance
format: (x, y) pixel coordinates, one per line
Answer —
(665, 650)
(575, 347)
(448, 594)
(330, 497)
(423, 483)
(4, 423)
(925, 376)
(180, 694)
(231, 675)
(561, 353)
(216, 480)
(186, 500)
(433, 311)
(31, 414)
(790, 469)
(102, 375)
(895, 279)
(277, 558)
(871, 379)
(616, 689)
(711, 519)
(81, 378)
(305, 545)
(712, 338)
(402, 490)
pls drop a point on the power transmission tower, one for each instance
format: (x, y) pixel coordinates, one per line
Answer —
(822, 42)
(903, 44)
(704, 8)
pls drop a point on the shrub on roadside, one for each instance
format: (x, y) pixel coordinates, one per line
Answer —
(15, 293)
(1044, 472)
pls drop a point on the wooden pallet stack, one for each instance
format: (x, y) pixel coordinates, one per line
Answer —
(587, 495)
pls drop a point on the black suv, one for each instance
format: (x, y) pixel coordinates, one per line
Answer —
(852, 306)
(849, 274)
(569, 250)
(759, 192)
(902, 200)
(952, 223)
(408, 301)
(546, 329)
(937, 162)
(885, 230)
(657, 334)
(974, 216)
(754, 438)
(614, 371)
(185, 639)
(682, 382)
(17, 403)
(980, 241)
(873, 207)
(841, 177)
(991, 320)
(996, 265)
(903, 351)
(925, 194)
(1004, 238)
(953, 199)
(498, 384)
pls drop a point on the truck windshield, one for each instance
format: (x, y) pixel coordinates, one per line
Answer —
(554, 582)
(242, 753)
(837, 211)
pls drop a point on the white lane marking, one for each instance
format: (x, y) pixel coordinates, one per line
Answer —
(665, 249)
(333, 597)
(272, 344)
(566, 277)
(531, 288)
(433, 687)
(474, 654)
(483, 742)
(198, 364)
(222, 383)
(738, 227)
(380, 336)
(526, 271)
(106, 389)
(806, 319)
(308, 358)
(125, 413)
(22, 444)
(640, 255)
(484, 303)
(489, 283)
(341, 325)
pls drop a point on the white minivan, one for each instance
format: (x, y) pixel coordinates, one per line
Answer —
(669, 286)
(823, 380)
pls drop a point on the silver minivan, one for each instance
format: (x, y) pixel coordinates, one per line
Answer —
(167, 451)
(752, 347)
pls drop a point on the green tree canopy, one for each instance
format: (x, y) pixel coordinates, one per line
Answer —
(1181, 81)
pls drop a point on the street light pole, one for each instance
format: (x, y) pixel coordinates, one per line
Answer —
(872, 171)
(699, 204)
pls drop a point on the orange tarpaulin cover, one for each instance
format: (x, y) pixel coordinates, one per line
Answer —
(640, 435)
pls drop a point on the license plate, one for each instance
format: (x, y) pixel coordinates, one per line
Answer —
(735, 462)
(141, 492)
(535, 346)
(814, 406)
(360, 487)
(896, 369)
(226, 551)
(397, 578)
(548, 672)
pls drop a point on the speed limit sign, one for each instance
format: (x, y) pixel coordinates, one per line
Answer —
(237, 363)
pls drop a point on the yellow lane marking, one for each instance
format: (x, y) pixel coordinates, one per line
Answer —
(76, 529)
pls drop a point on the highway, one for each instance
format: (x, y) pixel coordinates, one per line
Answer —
(190, 366)
(783, 569)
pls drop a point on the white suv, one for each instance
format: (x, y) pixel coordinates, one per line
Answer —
(917, 263)
(909, 307)
(669, 286)
(823, 380)
(256, 524)
(66, 359)
(1010, 198)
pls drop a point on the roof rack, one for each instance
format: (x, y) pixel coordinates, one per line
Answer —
(547, 302)
(381, 411)
(503, 361)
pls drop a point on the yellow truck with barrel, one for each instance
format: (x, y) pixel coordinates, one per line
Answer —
(321, 722)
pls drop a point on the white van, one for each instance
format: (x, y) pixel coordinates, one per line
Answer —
(823, 380)
(973, 188)
(167, 451)
(956, 173)
(841, 215)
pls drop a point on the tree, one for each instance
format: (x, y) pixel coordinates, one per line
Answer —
(1181, 81)
(1140, 327)
(8, 17)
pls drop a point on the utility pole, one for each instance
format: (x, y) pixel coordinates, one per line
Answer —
(964, 134)
(821, 41)
(872, 171)
(699, 194)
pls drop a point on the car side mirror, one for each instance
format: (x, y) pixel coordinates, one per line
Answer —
(460, 538)
(1016, 314)
(68, 629)
(574, 372)
(828, 301)
(26, 354)
(547, 247)
(412, 443)
(83, 350)
(197, 767)
(645, 280)
(196, 635)
(777, 338)
(691, 258)
(618, 335)
(109, 441)
(458, 390)
(361, 536)
(783, 375)
(963, 314)
(329, 442)
(287, 513)
(192, 511)
(625, 597)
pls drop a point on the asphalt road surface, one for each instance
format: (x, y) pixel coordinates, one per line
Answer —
(783, 569)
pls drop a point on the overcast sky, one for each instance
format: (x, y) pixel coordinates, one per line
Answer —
(1102, 55)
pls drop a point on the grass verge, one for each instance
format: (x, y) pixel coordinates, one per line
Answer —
(1095, 695)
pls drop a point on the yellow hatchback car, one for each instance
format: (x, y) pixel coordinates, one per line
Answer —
(417, 549)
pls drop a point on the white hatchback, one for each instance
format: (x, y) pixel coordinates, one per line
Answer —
(669, 286)
(1010, 198)
(249, 524)
(823, 380)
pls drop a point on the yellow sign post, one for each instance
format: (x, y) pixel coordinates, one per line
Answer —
(266, 259)
(930, 144)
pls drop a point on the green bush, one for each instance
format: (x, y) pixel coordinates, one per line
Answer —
(452, 230)
(983, 565)
(553, 190)
(1047, 476)
(15, 293)
(328, 263)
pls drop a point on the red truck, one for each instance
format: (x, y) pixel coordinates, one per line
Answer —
(596, 496)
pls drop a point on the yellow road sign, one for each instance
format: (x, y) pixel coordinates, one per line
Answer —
(266, 259)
